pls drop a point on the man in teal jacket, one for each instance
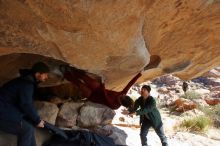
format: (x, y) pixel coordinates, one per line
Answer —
(145, 106)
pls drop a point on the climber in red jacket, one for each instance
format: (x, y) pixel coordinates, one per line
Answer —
(95, 91)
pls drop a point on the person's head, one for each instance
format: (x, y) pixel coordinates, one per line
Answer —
(145, 90)
(126, 101)
(40, 71)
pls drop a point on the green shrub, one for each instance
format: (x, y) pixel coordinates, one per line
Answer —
(216, 110)
(191, 95)
(213, 112)
(198, 124)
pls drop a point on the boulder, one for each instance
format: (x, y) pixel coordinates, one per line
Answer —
(202, 91)
(109, 38)
(47, 111)
(163, 90)
(78, 34)
(67, 116)
(92, 114)
(200, 102)
(183, 105)
(207, 81)
(213, 89)
(119, 136)
(167, 80)
(212, 101)
(215, 73)
(216, 94)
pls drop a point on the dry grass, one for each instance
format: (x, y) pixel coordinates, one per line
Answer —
(191, 95)
(197, 124)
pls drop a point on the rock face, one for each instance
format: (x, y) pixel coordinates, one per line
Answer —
(89, 35)
(178, 31)
(92, 114)
(111, 38)
(214, 82)
(63, 91)
(212, 101)
(68, 114)
(119, 136)
(183, 105)
(168, 80)
(215, 73)
(47, 111)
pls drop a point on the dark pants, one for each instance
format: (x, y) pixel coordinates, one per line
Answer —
(145, 126)
(23, 130)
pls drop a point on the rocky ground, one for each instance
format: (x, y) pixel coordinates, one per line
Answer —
(175, 137)
(175, 107)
